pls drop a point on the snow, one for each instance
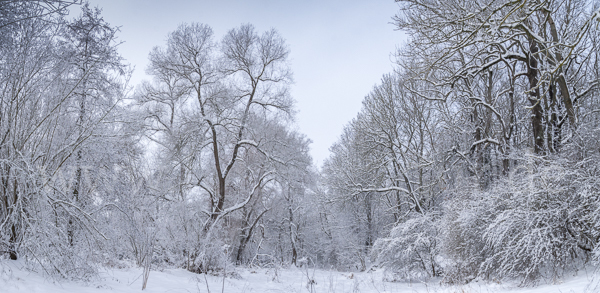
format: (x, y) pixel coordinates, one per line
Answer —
(13, 279)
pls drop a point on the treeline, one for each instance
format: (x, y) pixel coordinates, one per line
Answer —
(479, 156)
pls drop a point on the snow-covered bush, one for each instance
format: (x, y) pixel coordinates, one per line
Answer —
(537, 222)
(411, 249)
(461, 228)
(543, 221)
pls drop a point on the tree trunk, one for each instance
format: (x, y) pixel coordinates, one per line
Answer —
(245, 238)
(369, 214)
(12, 250)
(13, 240)
(292, 236)
(535, 99)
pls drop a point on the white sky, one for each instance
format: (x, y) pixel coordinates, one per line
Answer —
(339, 48)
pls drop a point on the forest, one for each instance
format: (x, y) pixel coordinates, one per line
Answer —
(477, 158)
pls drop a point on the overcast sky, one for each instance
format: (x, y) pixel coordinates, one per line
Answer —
(339, 48)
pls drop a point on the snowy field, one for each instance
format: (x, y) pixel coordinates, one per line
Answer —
(14, 279)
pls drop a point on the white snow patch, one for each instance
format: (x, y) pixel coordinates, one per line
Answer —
(13, 279)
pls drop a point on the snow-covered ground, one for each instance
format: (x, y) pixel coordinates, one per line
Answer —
(15, 279)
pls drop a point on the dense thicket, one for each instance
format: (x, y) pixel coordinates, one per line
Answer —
(61, 84)
(480, 150)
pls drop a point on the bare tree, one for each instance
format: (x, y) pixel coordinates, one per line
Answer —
(205, 107)
(538, 40)
(14, 11)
